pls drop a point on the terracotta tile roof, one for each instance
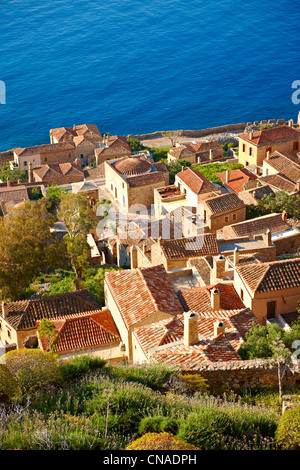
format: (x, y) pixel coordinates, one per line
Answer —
(84, 330)
(140, 292)
(160, 166)
(274, 276)
(184, 248)
(115, 141)
(58, 170)
(44, 148)
(163, 340)
(25, 313)
(197, 183)
(13, 193)
(207, 146)
(236, 178)
(182, 152)
(61, 133)
(280, 182)
(256, 226)
(267, 136)
(145, 180)
(251, 196)
(224, 203)
(131, 166)
(198, 299)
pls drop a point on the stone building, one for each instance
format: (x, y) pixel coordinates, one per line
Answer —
(196, 152)
(38, 155)
(93, 333)
(111, 148)
(132, 180)
(18, 320)
(85, 137)
(271, 290)
(254, 147)
(191, 339)
(223, 210)
(56, 173)
(139, 297)
(175, 253)
(282, 172)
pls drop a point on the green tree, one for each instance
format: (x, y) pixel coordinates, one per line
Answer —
(54, 194)
(135, 144)
(175, 167)
(283, 201)
(27, 247)
(13, 175)
(78, 218)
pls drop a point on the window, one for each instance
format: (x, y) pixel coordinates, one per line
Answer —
(271, 308)
(69, 155)
(8, 333)
(296, 146)
(234, 217)
(81, 155)
(247, 163)
(25, 163)
(226, 219)
(250, 151)
(242, 294)
(45, 159)
(244, 147)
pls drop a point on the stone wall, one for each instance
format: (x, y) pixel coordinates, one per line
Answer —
(249, 374)
(214, 130)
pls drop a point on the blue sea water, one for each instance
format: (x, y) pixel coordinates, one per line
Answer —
(132, 66)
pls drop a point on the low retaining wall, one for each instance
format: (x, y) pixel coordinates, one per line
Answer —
(212, 130)
(244, 374)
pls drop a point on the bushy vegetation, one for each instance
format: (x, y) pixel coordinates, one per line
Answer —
(210, 169)
(288, 430)
(260, 340)
(161, 441)
(13, 175)
(96, 405)
(62, 281)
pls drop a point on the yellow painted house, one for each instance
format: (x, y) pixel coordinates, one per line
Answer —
(254, 147)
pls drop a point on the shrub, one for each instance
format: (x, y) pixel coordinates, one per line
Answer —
(80, 365)
(152, 375)
(32, 368)
(160, 441)
(8, 385)
(204, 428)
(288, 430)
(195, 382)
(158, 424)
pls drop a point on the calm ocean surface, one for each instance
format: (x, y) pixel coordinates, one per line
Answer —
(133, 66)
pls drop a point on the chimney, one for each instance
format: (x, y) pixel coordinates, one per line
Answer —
(268, 155)
(144, 248)
(211, 157)
(190, 335)
(8, 182)
(133, 257)
(29, 172)
(236, 256)
(251, 135)
(284, 216)
(291, 122)
(4, 309)
(219, 266)
(215, 297)
(219, 327)
(268, 237)
(298, 186)
(227, 176)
